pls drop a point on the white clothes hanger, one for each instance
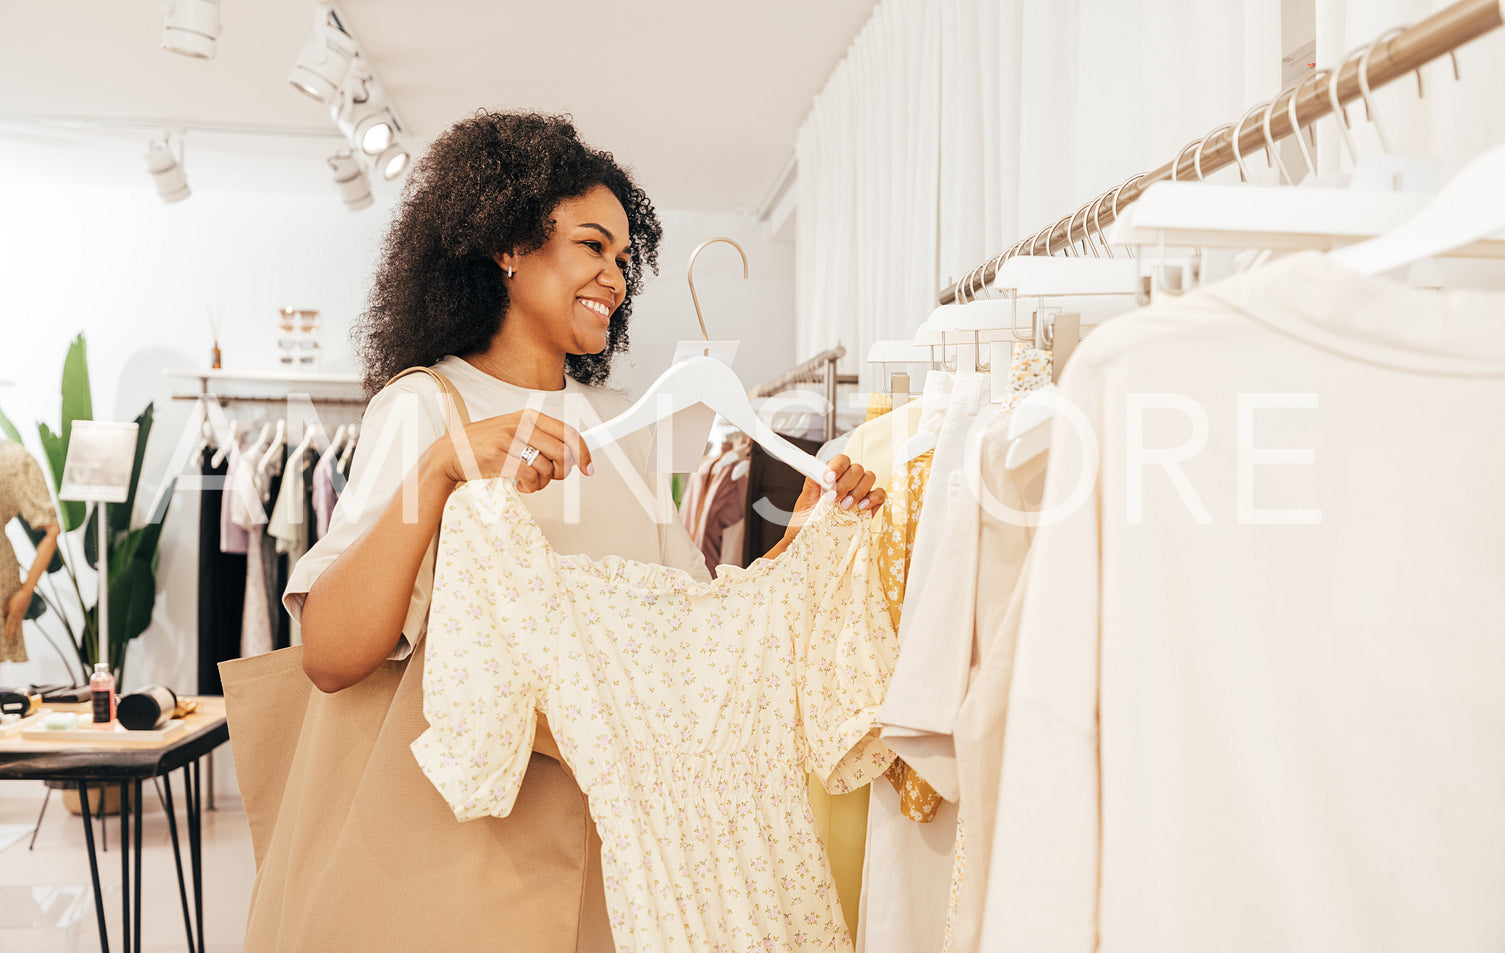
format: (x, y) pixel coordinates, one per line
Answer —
(336, 443)
(224, 448)
(258, 447)
(933, 404)
(1028, 433)
(702, 380)
(304, 445)
(347, 453)
(1468, 209)
(271, 458)
(206, 440)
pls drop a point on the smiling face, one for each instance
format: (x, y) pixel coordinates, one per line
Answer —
(563, 295)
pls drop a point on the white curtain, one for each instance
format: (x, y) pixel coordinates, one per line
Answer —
(954, 127)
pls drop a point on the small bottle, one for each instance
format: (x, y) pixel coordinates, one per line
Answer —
(214, 356)
(102, 689)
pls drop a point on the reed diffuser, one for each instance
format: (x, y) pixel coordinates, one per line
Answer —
(215, 314)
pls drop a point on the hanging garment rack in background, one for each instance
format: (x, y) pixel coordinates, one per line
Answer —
(820, 369)
(1405, 52)
(248, 398)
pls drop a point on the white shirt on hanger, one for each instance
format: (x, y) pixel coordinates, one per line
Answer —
(1256, 702)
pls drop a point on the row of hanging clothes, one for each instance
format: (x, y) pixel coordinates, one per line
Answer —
(1199, 613)
(272, 500)
(731, 504)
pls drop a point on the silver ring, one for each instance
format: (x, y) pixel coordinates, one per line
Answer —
(529, 454)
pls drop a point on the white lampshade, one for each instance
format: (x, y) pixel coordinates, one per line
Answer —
(190, 27)
(393, 161)
(167, 171)
(321, 67)
(351, 178)
(375, 132)
(361, 111)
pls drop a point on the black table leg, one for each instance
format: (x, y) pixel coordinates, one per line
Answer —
(136, 800)
(40, 814)
(177, 856)
(99, 900)
(125, 865)
(196, 846)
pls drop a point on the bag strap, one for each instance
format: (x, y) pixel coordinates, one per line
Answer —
(454, 406)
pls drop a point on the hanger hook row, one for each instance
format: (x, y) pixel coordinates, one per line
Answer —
(1364, 91)
(690, 276)
(1340, 111)
(1097, 210)
(1272, 153)
(1238, 132)
(1196, 157)
(1306, 153)
(1176, 164)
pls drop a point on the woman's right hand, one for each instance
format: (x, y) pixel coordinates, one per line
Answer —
(493, 447)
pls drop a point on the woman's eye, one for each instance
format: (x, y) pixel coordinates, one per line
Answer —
(593, 246)
(622, 264)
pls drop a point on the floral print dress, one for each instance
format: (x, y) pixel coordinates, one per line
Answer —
(690, 713)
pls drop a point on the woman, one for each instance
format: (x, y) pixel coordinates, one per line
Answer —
(510, 269)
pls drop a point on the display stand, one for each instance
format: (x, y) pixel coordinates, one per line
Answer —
(98, 470)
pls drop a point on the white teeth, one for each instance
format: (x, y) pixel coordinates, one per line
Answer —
(597, 307)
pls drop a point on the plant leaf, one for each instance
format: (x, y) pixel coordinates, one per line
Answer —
(8, 428)
(120, 513)
(71, 511)
(36, 608)
(133, 594)
(78, 402)
(91, 538)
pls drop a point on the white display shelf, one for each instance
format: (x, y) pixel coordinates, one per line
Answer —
(206, 375)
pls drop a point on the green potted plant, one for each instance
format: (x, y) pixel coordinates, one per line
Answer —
(67, 607)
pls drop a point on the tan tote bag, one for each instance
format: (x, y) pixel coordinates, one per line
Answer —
(356, 851)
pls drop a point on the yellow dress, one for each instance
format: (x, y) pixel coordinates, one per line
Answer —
(690, 713)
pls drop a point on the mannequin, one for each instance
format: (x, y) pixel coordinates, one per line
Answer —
(23, 492)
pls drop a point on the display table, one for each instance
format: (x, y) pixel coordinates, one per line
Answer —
(129, 763)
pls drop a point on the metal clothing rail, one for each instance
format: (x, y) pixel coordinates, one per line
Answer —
(1392, 56)
(261, 399)
(820, 369)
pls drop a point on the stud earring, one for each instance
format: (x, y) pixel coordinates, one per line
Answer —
(509, 271)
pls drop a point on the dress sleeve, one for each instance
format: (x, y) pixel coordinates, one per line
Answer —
(485, 659)
(400, 423)
(32, 501)
(846, 647)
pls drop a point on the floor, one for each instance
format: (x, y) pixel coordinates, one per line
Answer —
(60, 858)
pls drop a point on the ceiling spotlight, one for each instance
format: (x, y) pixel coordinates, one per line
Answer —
(167, 169)
(375, 132)
(190, 27)
(326, 56)
(355, 185)
(361, 112)
(393, 161)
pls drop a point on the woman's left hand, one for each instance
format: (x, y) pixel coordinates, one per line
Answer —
(847, 483)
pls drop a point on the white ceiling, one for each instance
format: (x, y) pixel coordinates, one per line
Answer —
(703, 99)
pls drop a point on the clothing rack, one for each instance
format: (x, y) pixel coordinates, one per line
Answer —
(820, 369)
(276, 378)
(1392, 56)
(248, 398)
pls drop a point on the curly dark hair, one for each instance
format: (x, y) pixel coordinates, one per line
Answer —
(489, 184)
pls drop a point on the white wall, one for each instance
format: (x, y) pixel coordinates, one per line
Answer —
(758, 311)
(105, 257)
